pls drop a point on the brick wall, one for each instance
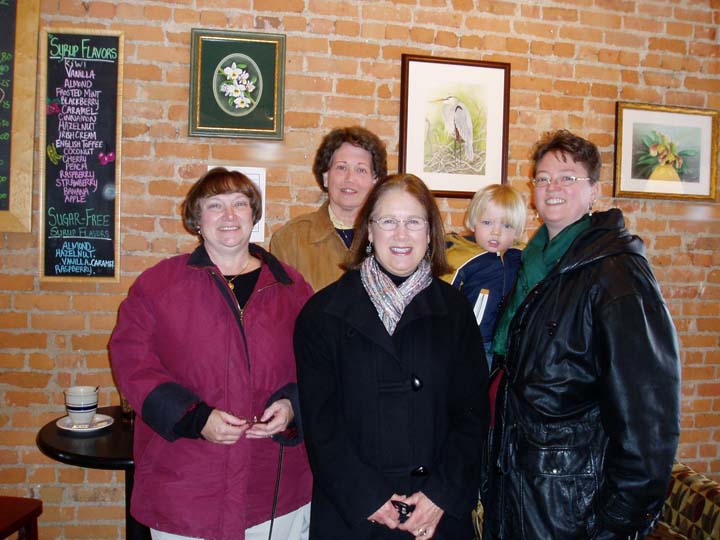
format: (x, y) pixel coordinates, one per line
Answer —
(571, 61)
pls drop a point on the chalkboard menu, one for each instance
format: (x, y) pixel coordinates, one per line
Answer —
(18, 73)
(8, 11)
(81, 155)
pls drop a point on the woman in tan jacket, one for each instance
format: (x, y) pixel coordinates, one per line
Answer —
(348, 163)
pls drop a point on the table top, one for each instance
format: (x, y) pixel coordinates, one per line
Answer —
(109, 448)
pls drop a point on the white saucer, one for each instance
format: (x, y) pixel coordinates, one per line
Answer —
(99, 421)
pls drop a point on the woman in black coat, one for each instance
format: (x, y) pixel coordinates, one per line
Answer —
(393, 381)
(588, 411)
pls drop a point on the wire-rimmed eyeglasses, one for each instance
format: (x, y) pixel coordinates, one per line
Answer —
(564, 180)
(389, 223)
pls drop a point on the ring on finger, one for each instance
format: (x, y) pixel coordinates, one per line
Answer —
(422, 532)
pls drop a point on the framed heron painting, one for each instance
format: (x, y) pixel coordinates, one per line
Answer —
(454, 123)
(236, 84)
(666, 152)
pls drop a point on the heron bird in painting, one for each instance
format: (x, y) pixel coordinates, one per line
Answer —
(458, 124)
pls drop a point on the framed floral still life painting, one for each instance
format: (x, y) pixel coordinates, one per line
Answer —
(236, 84)
(454, 123)
(665, 152)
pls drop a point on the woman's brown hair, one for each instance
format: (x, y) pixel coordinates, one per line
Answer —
(566, 144)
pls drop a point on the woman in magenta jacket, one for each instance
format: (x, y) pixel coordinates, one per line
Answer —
(203, 351)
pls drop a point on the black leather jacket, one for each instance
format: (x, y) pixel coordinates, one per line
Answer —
(588, 412)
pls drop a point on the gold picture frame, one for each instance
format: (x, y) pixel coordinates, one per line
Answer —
(665, 152)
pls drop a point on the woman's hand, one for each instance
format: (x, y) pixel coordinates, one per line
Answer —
(274, 419)
(424, 520)
(387, 514)
(223, 428)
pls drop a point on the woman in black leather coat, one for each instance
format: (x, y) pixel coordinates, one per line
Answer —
(587, 413)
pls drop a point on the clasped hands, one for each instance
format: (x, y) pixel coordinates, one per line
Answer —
(421, 522)
(225, 428)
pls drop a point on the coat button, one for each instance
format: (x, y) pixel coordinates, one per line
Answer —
(420, 470)
(416, 383)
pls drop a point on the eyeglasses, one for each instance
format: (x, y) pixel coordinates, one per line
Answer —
(391, 223)
(565, 181)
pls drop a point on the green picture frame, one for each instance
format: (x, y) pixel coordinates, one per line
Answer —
(237, 84)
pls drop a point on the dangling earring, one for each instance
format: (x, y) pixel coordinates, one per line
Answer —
(428, 252)
(198, 231)
(368, 249)
(590, 208)
(537, 216)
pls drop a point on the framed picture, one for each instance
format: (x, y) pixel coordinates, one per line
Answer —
(236, 84)
(665, 152)
(81, 83)
(454, 123)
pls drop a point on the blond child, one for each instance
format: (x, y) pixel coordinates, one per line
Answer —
(487, 263)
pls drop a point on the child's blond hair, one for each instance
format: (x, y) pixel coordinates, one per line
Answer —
(506, 197)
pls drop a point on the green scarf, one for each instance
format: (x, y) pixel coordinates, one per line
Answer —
(538, 258)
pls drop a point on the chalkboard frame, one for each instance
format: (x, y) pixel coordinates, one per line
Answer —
(18, 218)
(115, 278)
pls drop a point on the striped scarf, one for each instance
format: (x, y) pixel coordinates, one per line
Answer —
(389, 300)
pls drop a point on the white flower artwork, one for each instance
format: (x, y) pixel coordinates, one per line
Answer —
(237, 84)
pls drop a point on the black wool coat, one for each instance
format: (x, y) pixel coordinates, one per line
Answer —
(389, 414)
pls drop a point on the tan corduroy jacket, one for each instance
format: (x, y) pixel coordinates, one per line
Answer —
(310, 244)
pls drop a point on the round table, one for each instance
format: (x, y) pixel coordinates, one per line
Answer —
(109, 448)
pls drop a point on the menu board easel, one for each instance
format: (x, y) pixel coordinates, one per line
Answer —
(18, 62)
(80, 139)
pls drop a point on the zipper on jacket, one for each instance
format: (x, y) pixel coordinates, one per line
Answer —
(239, 310)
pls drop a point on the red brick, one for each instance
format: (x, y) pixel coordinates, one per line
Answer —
(354, 49)
(355, 87)
(703, 85)
(561, 103)
(559, 14)
(24, 379)
(23, 340)
(16, 282)
(667, 45)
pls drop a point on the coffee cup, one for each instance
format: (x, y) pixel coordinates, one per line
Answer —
(81, 404)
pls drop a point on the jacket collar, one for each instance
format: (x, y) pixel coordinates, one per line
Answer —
(200, 259)
(605, 237)
(351, 303)
(320, 225)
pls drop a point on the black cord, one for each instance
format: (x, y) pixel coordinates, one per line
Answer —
(277, 490)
